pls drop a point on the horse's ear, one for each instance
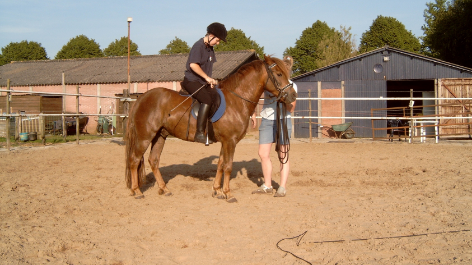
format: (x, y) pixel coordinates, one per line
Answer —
(266, 57)
(288, 60)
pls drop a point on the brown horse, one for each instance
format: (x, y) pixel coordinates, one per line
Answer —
(161, 112)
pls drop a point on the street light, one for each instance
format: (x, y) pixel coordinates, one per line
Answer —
(130, 19)
(126, 91)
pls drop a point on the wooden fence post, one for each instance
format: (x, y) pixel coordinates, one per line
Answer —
(42, 131)
(126, 111)
(77, 127)
(8, 117)
(309, 112)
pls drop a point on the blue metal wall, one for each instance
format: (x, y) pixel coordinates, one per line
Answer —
(360, 80)
(301, 126)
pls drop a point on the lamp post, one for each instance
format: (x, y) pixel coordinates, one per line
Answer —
(126, 91)
(130, 19)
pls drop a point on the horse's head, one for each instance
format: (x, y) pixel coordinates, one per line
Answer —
(278, 79)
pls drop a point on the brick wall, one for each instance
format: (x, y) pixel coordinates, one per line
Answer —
(91, 105)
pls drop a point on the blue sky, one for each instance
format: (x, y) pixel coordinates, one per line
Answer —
(275, 24)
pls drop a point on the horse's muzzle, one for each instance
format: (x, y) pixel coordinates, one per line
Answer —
(289, 97)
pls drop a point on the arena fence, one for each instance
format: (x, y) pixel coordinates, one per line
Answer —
(16, 123)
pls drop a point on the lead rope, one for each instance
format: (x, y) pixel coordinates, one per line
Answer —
(281, 134)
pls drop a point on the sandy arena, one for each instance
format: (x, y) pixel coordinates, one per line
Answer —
(360, 201)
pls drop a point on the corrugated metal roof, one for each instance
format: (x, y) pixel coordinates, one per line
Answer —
(147, 68)
(384, 51)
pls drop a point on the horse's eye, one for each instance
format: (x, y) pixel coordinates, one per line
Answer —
(279, 74)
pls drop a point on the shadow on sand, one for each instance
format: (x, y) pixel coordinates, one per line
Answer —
(205, 170)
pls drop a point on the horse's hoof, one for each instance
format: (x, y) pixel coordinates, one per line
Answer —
(168, 194)
(139, 196)
(221, 197)
(132, 193)
(231, 200)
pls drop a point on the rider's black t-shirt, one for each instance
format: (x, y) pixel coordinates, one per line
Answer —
(202, 55)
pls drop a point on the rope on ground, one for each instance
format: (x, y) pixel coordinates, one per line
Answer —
(298, 243)
(391, 237)
(299, 237)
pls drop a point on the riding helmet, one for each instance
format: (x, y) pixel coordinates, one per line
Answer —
(218, 29)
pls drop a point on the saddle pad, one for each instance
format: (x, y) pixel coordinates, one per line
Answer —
(219, 112)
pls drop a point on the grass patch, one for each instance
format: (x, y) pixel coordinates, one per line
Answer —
(54, 139)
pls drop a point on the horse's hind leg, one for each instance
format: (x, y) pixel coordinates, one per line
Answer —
(154, 159)
(136, 175)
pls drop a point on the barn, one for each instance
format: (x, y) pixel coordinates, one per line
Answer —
(384, 73)
(101, 79)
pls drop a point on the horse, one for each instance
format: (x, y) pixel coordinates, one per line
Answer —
(161, 112)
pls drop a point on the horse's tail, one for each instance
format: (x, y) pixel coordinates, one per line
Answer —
(130, 147)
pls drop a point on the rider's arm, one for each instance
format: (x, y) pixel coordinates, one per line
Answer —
(198, 70)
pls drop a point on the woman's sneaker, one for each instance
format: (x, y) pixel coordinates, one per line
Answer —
(263, 189)
(280, 192)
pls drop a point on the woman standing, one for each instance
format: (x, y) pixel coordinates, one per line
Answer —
(267, 135)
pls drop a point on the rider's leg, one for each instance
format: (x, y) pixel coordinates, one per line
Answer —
(202, 118)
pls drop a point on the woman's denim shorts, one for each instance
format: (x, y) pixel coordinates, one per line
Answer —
(267, 131)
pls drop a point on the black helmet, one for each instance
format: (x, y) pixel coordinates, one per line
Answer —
(218, 30)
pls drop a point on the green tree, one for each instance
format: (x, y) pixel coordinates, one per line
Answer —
(22, 51)
(176, 46)
(80, 47)
(237, 40)
(431, 15)
(120, 48)
(388, 31)
(450, 37)
(337, 47)
(308, 53)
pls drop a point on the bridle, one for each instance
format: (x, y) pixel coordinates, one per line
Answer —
(270, 75)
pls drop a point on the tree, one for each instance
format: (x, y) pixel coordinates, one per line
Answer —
(388, 31)
(450, 35)
(308, 53)
(80, 47)
(120, 48)
(337, 47)
(176, 46)
(22, 51)
(237, 40)
(431, 15)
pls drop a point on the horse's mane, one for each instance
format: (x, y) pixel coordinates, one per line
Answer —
(235, 79)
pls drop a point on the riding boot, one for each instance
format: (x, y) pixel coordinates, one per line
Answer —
(202, 118)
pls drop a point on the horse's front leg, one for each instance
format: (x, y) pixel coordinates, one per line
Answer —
(216, 189)
(225, 167)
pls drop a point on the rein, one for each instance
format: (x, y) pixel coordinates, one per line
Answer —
(281, 134)
(242, 97)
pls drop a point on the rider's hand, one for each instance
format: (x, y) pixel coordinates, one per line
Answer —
(211, 81)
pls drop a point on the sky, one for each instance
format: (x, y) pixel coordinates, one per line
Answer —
(274, 25)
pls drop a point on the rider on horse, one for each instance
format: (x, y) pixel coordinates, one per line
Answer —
(199, 68)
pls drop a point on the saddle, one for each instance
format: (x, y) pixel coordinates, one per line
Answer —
(217, 109)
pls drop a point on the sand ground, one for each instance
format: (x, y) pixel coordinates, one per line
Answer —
(360, 202)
